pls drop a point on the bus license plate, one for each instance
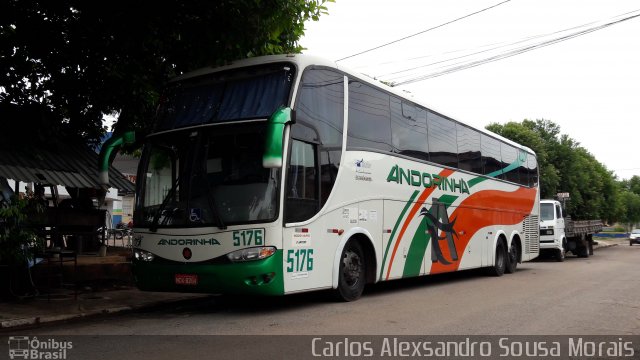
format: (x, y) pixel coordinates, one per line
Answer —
(186, 279)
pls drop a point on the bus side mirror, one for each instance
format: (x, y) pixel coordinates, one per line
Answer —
(273, 148)
(108, 147)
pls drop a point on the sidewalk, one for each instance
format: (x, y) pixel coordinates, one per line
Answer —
(103, 286)
(63, 306)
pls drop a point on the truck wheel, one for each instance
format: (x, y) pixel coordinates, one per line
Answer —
(512, 261)
(590, 247)
(583, 251)
(500, 263)
(351, 272)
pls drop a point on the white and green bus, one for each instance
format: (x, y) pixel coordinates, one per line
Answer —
(282, 174)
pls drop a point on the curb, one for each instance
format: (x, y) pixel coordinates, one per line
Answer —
(604, 246)
(40, 320)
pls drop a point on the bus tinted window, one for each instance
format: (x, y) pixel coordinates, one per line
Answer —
(443, 143)
(491, 158)
(510, 163)
(320, 107)
(409, 129)
(250, 93)
(469, 156)
(319, 119)
(369, 122)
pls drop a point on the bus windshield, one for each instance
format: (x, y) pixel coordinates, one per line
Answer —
(212, 176)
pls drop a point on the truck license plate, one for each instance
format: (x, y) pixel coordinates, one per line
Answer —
(186, 279)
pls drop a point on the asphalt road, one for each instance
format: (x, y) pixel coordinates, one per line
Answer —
(599, 295)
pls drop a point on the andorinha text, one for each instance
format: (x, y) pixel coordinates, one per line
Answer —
(417, 178)
(183, 242)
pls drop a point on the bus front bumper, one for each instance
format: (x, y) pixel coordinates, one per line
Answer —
(261, 277)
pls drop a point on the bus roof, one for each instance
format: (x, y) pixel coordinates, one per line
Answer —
(302, 61)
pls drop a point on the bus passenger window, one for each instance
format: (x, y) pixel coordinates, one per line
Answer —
(443, 142)
(409, 129)
(491, 158)
(469, 149)
(369, 121)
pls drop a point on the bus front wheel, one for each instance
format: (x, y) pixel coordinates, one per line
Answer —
(351, 272)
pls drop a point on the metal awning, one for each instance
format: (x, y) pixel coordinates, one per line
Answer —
(72, 166)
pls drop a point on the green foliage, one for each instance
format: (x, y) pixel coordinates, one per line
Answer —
(16, 241)
(74, 61)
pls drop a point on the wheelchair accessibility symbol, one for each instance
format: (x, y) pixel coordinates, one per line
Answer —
(195, 214)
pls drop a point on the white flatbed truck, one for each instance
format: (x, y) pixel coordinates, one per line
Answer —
(560, 234)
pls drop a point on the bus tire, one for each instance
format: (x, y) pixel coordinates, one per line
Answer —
(512, 260)
(500, 263)
(351, 272)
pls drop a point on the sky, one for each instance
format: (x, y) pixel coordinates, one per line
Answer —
(588, 84)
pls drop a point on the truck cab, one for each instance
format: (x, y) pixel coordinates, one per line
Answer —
(552, 229)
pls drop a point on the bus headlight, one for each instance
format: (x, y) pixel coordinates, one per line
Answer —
(250, 254)
(143, 255)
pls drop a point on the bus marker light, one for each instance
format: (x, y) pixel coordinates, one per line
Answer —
(302, 230)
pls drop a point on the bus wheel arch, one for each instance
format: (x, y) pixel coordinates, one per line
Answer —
(355, 266)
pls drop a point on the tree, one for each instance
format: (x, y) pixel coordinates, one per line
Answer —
(75, 61)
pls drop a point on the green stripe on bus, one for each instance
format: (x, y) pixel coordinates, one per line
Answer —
(514, 165)
(415, 256)
(395, 228)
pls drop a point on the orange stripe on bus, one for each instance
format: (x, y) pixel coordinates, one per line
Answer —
(489, 207)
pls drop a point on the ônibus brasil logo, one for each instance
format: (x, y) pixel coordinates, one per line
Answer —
(24, 347)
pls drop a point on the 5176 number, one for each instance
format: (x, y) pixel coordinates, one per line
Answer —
(299, 260)
(248, 237)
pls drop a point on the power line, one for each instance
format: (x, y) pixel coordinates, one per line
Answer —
(493, 47)
(462, 65)
(422, 32)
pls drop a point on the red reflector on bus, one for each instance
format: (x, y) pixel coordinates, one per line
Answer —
(302, 230)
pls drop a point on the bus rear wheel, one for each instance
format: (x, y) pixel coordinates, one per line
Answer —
(514, 255)
(351, 272)
(500, 263)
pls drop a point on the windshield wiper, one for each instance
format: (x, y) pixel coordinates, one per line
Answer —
(156, 217)
(214, 211)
